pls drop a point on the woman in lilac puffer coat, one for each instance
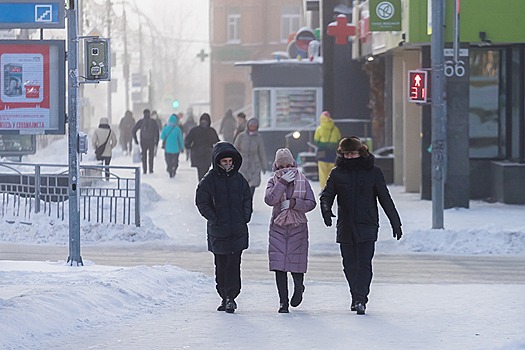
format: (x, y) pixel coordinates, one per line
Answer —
(291, 196)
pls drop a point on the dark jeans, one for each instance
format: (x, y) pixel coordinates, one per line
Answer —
(281, 279)
(228, 274)
(357, 266)
(106, 161)
(148, 153)
(172, 163)
(127, 145)
(202, 170)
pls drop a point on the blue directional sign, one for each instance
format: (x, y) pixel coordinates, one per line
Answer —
(32, 14)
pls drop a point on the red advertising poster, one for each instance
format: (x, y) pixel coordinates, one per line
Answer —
(24, 87)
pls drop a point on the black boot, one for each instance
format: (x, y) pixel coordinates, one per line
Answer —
(230, 306)
(297, 296)
(222, 307)
(283, 308)
(360, 308)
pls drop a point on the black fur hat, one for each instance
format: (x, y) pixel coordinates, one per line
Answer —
(352, 144)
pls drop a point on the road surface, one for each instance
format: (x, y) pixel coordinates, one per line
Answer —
(410, 268)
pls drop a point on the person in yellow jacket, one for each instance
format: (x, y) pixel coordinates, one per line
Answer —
(326, 138)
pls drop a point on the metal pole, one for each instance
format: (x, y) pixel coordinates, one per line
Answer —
(126, 59)
(456, 40)
(74, 168)
(141, 62)
(108, 8)
(38, 190)
(439, 133)
(137, 197)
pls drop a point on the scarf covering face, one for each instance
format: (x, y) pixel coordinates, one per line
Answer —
(291, 216)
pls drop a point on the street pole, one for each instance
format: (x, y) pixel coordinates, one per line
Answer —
(126, 59)
(108, 8)
(439, 133)
(74, 257)
(141, 62)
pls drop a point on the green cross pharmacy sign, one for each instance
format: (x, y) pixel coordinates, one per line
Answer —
(385, 15)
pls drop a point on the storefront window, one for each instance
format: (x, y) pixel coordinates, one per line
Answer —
(295, 108)
(486, 110)
(287, 109)
(262, 108)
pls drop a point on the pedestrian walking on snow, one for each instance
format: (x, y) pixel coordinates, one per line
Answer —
(104, 135)
(126, 128)
(200, 141)
(228, 126)
(251, 146)
(149, 139)
(223, 198)
(291, 196)
(358, 184)
(173, 144)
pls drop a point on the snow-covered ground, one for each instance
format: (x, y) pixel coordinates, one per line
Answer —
(50, 305)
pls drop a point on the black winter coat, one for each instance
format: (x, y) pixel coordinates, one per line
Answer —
(149, 132)
(225, 200)
(200, 141)
(358, 185)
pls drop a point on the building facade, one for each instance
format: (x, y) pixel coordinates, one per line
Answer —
(243, 30)
(484, 95)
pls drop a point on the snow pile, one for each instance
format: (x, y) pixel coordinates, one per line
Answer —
(61, 300)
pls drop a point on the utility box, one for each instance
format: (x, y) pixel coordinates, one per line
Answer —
(82, 143)
(97, 59)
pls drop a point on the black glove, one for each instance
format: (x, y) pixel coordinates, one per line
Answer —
(397, 233)
(327, 217)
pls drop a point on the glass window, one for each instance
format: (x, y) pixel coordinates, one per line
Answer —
(295, 108)
(234, 18)
(287, 109)
(290, 21)
(262, 108)
(516, 105)
(485, 133)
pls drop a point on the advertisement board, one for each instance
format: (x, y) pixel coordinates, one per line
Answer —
(32, 87)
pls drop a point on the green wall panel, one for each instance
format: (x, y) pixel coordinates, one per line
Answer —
(503, 21)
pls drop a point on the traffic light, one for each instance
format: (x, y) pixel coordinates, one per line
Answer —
(175, 104)
(98, 66)
(418, 86)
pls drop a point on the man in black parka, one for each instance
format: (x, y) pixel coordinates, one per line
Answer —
(149, 139)
(224, 199)
(200, 141)
(358, 185)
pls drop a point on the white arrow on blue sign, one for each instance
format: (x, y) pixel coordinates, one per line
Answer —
(31, 14)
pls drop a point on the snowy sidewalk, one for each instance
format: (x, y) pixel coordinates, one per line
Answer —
(167, 308)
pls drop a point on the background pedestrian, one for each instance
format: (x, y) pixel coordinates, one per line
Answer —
(251, 147)
(228, 126)
(326, 137)
(173, 144)
(104, 134)
(200, 141)
(149, 139)
(125, 132)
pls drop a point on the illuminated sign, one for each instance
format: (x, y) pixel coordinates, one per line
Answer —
(32, 14)
(417, 86)
(32, 87)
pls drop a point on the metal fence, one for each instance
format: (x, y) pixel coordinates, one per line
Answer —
(107, 193)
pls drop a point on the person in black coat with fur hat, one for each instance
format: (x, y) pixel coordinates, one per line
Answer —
(358, 184)
(224, 199)
(200, 141)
